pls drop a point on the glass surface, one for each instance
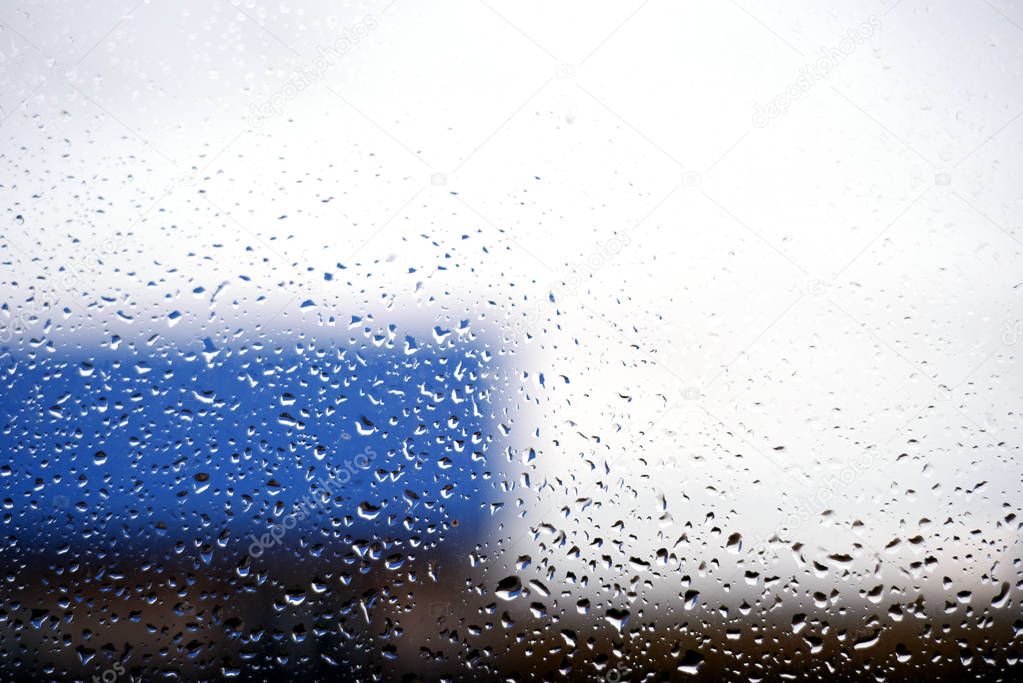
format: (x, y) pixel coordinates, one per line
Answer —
(467, 340)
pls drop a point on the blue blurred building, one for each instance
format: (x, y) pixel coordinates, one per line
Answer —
(206, 448)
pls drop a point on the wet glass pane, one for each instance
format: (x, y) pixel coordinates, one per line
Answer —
(383, 341)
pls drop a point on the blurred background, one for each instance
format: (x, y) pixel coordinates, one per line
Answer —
(511, 341)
